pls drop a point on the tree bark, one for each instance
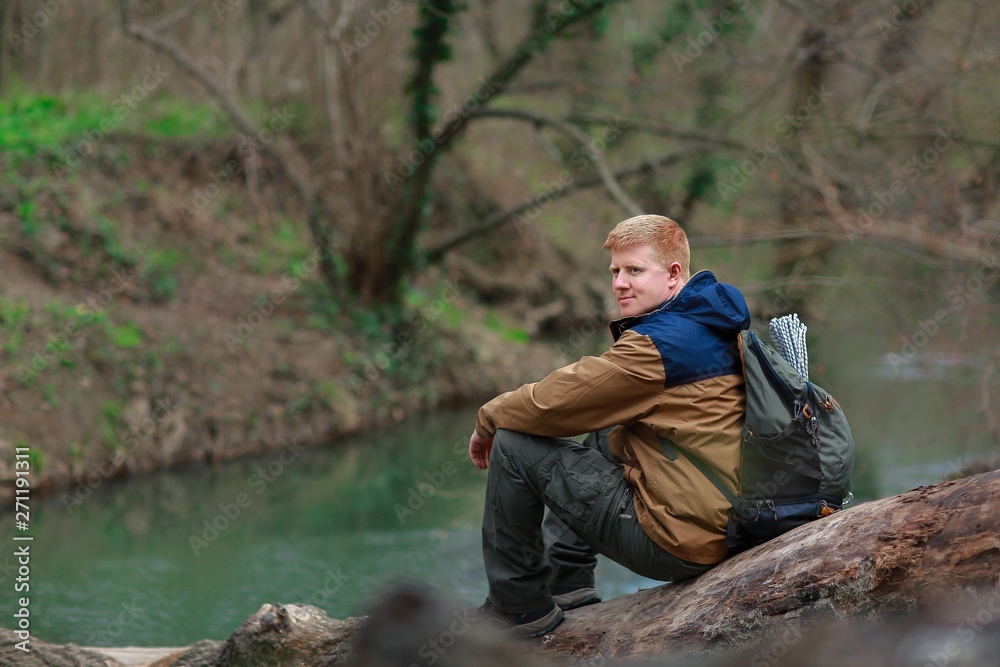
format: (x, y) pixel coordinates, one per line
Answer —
(885, 556)
(898, 554)
(40, 654)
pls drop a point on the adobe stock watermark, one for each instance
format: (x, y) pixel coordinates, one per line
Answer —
(785, 127)
(434, 481)
(775, 650)
(914, 169)
(230, 512)
(370, 30)
(462, 621)
(74, 155)
(335, 580)
(248, 324)
(780, 301)
(35, 23)
(902, 12)
(86, 313)
(248, 147)
(958, 297)
(109, 635)
(713, 29)
(388, 353)
(595, 323)
(581, 158)
(966, 632)
(224, 8)
(423, 149)
(105, 470)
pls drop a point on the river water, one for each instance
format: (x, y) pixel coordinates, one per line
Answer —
(172, 558)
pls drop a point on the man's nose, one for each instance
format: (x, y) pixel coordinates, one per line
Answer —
(620, 281)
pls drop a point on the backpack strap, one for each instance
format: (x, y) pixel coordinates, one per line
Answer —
(735, 542)
(702, 468)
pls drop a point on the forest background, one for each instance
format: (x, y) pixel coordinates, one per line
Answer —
(228, 224)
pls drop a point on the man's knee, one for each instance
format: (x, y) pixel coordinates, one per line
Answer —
(522, 446)
(511, 439)
(505, 443)
(502, 442)
(503, 436)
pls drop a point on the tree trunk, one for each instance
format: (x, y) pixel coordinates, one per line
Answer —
(891, 555)
(880, 557)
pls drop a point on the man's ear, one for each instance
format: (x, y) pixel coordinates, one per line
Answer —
(675, 272)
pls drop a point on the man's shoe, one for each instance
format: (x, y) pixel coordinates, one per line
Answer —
(574, 598)
(530, 624)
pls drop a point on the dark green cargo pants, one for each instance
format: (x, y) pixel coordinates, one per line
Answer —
(527, 550)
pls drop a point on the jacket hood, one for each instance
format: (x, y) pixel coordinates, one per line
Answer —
(715, 305)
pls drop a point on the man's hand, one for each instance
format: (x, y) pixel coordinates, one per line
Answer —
(479, 450)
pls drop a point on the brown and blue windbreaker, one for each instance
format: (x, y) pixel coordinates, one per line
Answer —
(673, 385)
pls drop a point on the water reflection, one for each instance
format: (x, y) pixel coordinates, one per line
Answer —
(172, 558)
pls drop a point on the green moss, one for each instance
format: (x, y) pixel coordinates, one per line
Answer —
(12, 317)
(112, 422)
(37, 339)
(125, 336)
(49, 394)
(174, 117)
(160, 271)
(513, 334)
(36, 457)
(32, 123)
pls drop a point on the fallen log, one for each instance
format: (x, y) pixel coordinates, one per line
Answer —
(890, 555)
(875, 560)
(15, 652)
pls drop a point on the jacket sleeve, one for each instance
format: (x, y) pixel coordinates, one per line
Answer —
(618, 387)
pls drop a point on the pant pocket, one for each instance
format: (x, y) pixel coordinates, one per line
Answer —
(575, 492)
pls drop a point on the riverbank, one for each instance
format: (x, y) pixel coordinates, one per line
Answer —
(181, 394)
(139, 334)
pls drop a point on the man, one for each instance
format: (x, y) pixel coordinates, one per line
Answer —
(666, 398)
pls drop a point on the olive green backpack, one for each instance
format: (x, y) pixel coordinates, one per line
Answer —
(798, 450)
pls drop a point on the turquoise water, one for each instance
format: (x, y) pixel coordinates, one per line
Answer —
(135, 564)
(175, 557)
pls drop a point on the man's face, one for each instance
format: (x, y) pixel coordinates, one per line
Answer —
(639, 283)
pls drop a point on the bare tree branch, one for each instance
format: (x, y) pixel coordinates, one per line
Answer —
(327, 37)
(826, 187)
(236, 115)
(167, 21)
(436, 253)
(672, 133)
(545, 27)
(285, 154)
(534, 43)
(831, 281)
(607, 177)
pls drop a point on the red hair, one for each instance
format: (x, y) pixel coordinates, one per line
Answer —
(665, 239)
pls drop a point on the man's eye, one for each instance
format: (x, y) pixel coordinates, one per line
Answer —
(634, 270)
